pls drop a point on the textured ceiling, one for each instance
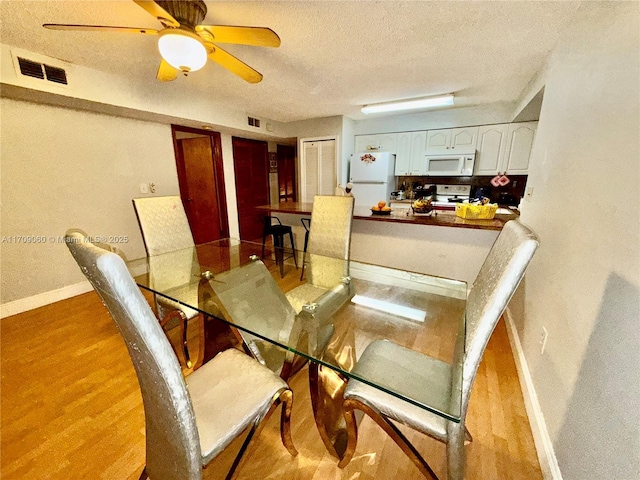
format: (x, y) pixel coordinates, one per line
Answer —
(334, 57)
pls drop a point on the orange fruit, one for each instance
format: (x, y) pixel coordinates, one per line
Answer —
(375, 208)
(381, 204)
(386, 209)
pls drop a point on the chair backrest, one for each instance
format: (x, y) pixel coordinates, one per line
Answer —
(488, 297)
(253, 299)
(163, 223)
(329, 240)
(173, 445)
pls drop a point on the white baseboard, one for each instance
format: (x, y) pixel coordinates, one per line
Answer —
(541, 438)
(29, 303)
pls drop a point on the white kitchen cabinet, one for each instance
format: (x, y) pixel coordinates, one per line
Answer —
(452, 138)
(490, 149)
(518, 153)
(383, 142)
(410, 159)
(403, 153)
(504, 148)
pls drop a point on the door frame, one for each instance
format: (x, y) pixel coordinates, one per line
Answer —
(302, 190)
(218, 173)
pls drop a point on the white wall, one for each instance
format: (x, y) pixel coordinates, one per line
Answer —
(348, 143)
(65, 168)
(230, 185)
(127, 96)
(584, 283)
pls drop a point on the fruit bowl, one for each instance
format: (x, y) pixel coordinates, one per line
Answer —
(381, 212)
(423, 209)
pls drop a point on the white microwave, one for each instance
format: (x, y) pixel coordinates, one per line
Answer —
(450, 164)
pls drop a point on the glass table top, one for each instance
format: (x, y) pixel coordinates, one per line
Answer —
(330, 317)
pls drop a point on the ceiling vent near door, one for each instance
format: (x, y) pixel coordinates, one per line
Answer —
(253, 122)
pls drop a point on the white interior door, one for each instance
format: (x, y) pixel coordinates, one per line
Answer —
(318, 168)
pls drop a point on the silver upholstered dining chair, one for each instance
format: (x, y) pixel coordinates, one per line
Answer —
(488, 297)
(188, 423)
(165, 228)
(328, 249)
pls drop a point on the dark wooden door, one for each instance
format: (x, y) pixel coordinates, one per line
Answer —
(251, 163)
(199, 164)
(286, 173)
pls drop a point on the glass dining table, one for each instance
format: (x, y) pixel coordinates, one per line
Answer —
(231, 285)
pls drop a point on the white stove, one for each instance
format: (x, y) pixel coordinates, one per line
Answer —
(446, 195)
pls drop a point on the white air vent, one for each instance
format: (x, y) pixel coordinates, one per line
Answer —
(253, 122)
(36, 68)
(42, 71)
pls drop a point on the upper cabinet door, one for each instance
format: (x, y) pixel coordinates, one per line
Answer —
(464, 138)
(491, 148)
(388, 142)
(364, 143)
(403, 153)
(452, 138)
(521, 137)
(418, 165)
(438, 139)
(383, 142)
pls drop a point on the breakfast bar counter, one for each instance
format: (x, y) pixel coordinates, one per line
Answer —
(445, 217)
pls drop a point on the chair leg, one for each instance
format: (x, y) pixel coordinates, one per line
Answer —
(183, 322)
(293, 250)
(285, 422)
(284, 396)
(352, 434)
(264, 239)
(278, 243)
(456, 453)
(304, 252)
(390, 429)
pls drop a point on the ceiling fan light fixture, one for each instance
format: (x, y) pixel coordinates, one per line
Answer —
(182, 50)
(414, 104)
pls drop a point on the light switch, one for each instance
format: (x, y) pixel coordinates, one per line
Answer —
(144, 188)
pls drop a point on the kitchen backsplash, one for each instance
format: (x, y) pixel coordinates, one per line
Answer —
(516, 186)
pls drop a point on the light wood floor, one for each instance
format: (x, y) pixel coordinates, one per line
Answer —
(71, 409)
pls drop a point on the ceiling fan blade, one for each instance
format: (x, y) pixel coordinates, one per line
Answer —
(157, 11)
(257, 36)
(234, 65)
(100, 28)
(166, 72)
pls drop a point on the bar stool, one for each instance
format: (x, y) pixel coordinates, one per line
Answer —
(306, 223)
(278, 231)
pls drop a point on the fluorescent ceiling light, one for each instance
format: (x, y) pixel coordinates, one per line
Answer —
(182, 50)
(427, 102)
(392, 308)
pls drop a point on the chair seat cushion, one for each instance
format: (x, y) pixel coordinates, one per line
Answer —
(304, 294)
(227, 394)
(400, 369)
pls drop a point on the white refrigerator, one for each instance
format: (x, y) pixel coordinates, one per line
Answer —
(372, 177)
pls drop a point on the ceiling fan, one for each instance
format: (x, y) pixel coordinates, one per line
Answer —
(185, 45)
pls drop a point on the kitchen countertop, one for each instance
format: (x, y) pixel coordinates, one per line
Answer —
(439, 218)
